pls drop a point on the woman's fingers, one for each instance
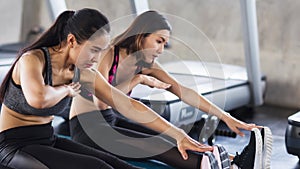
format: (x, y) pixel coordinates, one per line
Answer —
(74, 89)
(159, 84)
(202, 148)
(235, 125)
(190, 144)
(164, 85)
(153, 82)
(183, 153)
(248, 127)
(76, 86)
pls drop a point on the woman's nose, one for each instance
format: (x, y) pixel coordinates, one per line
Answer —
(97, 57)
(161, 48)
(94, 59)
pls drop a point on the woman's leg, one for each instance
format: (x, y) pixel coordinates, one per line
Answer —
(64, 154)
(133, 126)
(47, 157)
(3, 167)
(126, 123)
(129, 144)
(71, 146)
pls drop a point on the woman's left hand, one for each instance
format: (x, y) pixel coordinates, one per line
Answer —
(74, 89)
(235, 125)
(152, 82)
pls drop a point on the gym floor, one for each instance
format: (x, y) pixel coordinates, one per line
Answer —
(276, 119)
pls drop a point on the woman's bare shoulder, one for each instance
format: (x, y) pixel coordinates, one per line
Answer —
(33, 56)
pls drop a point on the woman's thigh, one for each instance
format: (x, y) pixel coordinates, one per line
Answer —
(47, 157)
(71, 146)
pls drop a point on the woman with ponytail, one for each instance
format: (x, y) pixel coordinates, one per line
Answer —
(39, 85)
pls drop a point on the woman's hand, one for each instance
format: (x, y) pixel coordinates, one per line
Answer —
(187, 143)
(152, 82)
(74, 89)
(235, 125)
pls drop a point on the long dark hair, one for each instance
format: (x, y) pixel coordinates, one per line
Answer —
(144, 24)
(83, 24)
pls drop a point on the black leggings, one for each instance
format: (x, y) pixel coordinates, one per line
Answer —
(93, 130)
(35, 147)
(3, 167)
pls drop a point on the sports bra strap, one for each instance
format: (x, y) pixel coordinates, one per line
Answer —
(48, 68)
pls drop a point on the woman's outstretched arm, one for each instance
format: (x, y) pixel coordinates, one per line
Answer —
(193, 98)
(139, 112)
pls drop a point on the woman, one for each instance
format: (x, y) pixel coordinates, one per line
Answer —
(130, 61)
(38, 86)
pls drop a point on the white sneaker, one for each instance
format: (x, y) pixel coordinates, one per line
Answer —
(251, 156)
(267, 140)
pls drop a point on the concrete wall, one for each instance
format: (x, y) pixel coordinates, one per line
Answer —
(212, 28)
(11, 20)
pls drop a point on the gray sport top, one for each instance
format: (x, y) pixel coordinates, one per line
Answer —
(15, 100)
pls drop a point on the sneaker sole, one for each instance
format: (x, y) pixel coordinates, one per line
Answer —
(210, 161)
(258, 150)
(267, 148)
(223, 156)
(216, 153)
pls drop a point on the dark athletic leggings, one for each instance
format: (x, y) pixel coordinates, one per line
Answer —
(35, 147)
(93, 130)
(3, 167)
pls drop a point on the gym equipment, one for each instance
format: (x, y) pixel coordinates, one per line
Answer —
(292, 135)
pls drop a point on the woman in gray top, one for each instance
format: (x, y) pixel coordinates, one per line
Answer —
(38, 86)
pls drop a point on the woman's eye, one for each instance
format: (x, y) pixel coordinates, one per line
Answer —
(95, 51)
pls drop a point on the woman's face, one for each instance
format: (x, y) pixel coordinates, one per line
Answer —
(154, 44)
(91, 50)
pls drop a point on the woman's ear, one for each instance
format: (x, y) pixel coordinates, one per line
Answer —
(71, 40)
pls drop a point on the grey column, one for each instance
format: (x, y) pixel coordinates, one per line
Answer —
(251, 45)
(56, 7)
(139, 6)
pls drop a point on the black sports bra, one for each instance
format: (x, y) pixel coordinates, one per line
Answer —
(15, 100)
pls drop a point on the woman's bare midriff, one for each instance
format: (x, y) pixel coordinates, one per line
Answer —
(11, 119)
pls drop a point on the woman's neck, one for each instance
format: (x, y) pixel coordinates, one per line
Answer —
(126, 59)
(60, 58)
(62, 66)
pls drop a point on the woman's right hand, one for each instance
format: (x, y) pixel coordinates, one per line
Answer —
(74, 89)
(236, 125)
(152, 82)
(187, 143)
